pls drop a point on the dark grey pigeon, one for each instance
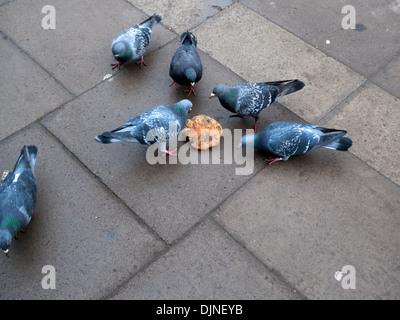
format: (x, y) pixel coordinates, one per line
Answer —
(248, 99)
(282, 140)
(152, 126)
(131, 44)
(186, 68)
(18, 197)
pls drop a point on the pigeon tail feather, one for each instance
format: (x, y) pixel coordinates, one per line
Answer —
(27, 159)
(287, 87)
(187, 38)
(327, 130)
(151, 22)
(342, 144)
(111, 137)
(105, 140)
(329, 139)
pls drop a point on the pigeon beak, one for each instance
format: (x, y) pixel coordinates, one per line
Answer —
(211, 96)
(6, 252)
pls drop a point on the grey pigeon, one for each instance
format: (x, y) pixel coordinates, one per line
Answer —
(18, 197)
(248, 99)
(131, 44)
(282, 140)
(151, 126)
(186, 68)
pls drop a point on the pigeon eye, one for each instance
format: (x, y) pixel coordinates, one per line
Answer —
(218, 92)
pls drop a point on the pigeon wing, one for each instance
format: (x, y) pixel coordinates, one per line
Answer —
(287, 139)
(250, 99)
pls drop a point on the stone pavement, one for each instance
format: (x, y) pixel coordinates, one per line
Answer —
(116, 227)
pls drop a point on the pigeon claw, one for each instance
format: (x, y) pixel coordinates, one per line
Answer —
(272, 160)
(254, 127)
(170, 153)
(16, 235)
(115, 65)
(141, 63)
(191, 90)
(174, 83)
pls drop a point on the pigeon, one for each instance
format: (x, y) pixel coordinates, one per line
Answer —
(186, 68)
(152, 126)
(282, 140)
(18, 197)
(131, 44)
(248, 99)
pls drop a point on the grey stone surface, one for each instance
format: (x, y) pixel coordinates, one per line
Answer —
(316, 213)
(206, 265)
(27, 92)
(267, 52)
(78, 51)
(92, 240)
(369, 47)
(182, 15)
(115, 226)
(375, 133)
(388, 77)
(170, 198)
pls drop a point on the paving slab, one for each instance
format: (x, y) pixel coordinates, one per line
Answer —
(206, 265)
(388, 77)
(315, 214)
(78, 51)
(259, 50)
(170, 198)
(114, 226)
(182, 15)
(366, 49)
(375, 133)
(93, 241)
(27, 92)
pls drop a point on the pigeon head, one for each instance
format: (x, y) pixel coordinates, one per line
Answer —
(227, 97)
(246, 139)
(122, 51)
(183, 107)
(190, 74)
(5, 240)
(219, 91)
